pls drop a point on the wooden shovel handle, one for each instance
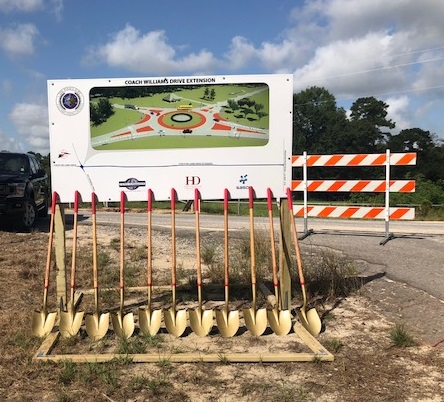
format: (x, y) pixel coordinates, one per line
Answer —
(51, 237)
(74, 242)
(122, 239)
(226, 258)
(173, 238)
(198, 253)
(272, 239)
(252, 254)
(94, 235)
(149, 239)
(296, 244)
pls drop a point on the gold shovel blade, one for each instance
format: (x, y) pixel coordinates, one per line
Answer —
(255, 321)
(201, 321)
(123, 324)
(70, 323)
(175, 321)
(227, 322)
(310, 320)
(280, 321)
(314, 321)
(43, 323)
(97, 325)
(149, 321)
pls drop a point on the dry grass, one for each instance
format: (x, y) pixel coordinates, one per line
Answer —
(367, 366)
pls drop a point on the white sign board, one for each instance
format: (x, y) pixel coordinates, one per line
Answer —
(135, 134)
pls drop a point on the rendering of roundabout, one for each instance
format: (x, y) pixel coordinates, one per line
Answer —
(182, 123)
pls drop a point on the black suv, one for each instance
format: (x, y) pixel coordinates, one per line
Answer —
(24, 189)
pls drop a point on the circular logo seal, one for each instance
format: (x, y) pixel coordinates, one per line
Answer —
(132, 183)
(70, 101)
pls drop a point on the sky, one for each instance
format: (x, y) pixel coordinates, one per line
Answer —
(392, 50)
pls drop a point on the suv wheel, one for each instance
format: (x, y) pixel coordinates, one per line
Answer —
(30, 215)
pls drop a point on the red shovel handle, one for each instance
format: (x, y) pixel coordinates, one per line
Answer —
(226, 196)
(150, 200)
(76, 201)
(173, 199)
(289, 199)
(269, 199)
(53, 202)
(122, 202)
(196, 199)
(93, 203)
(250, 197)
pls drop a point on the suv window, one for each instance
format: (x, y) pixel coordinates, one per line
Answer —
(14, 163)
(34, 165)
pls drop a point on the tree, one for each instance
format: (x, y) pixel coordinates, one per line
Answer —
(368, 117)
(105, 109)
(412, 140)
(232, 104)
(258, 107)
(429, 150)
(101, 111)
(318, 124)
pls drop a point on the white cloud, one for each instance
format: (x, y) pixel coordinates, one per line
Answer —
(148, 53)
(31, 123)
(9, 143)
(20, 5)
(398, 111)
(57, 8)
(18, 41)
(351, 67)
(240, 53)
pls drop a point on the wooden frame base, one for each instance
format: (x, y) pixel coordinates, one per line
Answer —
(319, 353)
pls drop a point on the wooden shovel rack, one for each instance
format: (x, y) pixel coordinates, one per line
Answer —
(311, 349)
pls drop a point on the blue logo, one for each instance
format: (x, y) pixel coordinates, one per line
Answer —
(243, 180)
(132, 183)
(70, 101)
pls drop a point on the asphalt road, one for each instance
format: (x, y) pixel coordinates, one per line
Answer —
(406, 274)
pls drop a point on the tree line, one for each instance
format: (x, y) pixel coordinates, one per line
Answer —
(321, 127)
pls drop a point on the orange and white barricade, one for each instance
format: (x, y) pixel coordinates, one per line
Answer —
(386, 186)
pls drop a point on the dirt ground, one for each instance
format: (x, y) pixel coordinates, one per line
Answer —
(366, 367)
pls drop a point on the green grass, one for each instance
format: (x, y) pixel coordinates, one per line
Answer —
(334, 345)
(329, 275)
(210, 207)
(181, 142)
(120, 118)
(401, 337)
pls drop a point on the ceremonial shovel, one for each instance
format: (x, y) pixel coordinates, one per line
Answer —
(123, 324)
(71, 320)
(280, 320)
(42, 321)
(255, 321)
(149, 320)
(227, 321)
